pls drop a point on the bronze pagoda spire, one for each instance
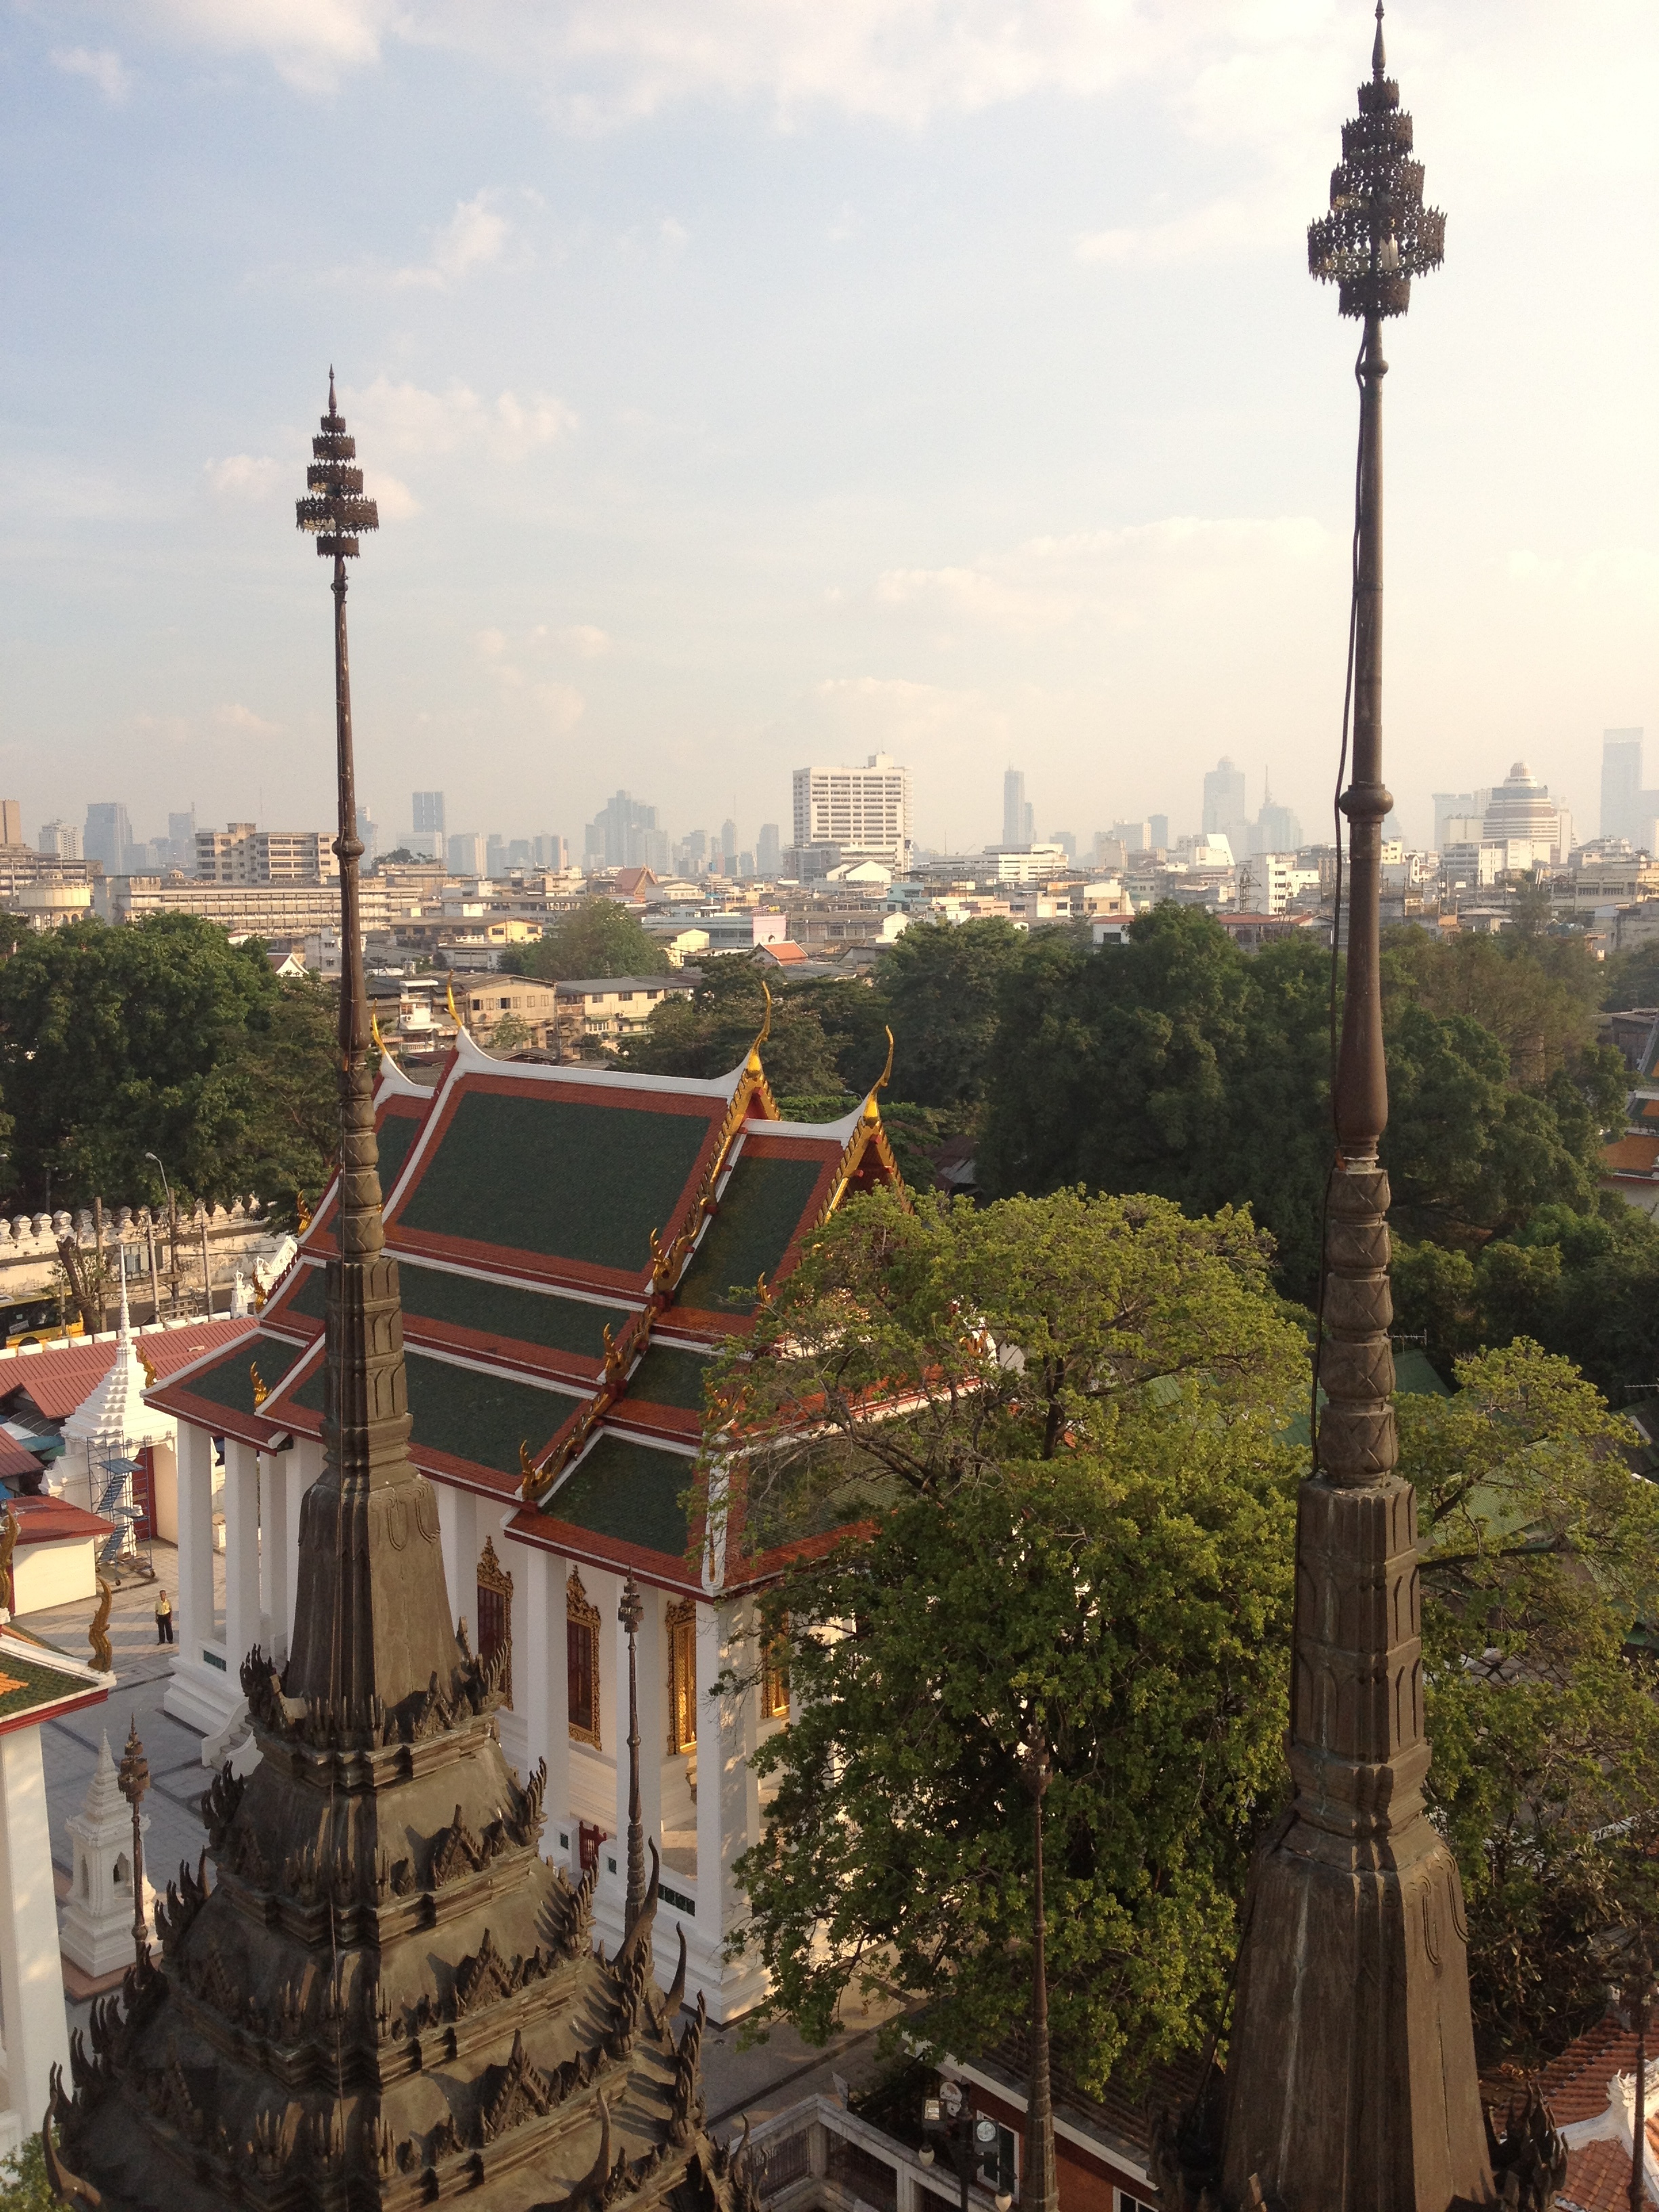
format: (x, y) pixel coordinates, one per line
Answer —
(386, 1998)
(1351, 2085)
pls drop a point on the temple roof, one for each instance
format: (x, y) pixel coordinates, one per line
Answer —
(574, 1244)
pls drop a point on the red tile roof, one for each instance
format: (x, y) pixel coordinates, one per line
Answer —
(61, 1377)
(16, 1459)
(1575, 2087)
(48, 1520)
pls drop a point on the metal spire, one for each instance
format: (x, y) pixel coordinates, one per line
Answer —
(630, 1614)
(1352, 2083)
(1379, 59)
(372, 1617)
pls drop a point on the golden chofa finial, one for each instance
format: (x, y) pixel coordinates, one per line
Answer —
(529, 1473)
(261, 1388)
(764, 1031)
(872, 1111)
(449, 1000)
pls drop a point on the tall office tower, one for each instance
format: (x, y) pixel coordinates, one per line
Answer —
(1159, 827)
(768, 854)
(624, 835)
(368, 836)
(1018, 815)
(1226, 805)
(1133, 836)
(1451, 807)
(1067, 840)
(864, 810)
(62, 838)
(1622, 803)
(729, 847)
(11, 821)
(107, 837)
(494, 855)
(695, 847)
(428, 816)
(551, 852)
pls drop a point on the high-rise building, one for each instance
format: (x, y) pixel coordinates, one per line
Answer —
(1067, 840)
(464, 851)
(1133, 836)
(1451, 807)
(494, 855)
(1622, 807)
(624, 835)
(550, 852)
(1018, 815)
(729, 847)
(1158, 827)
(11, 822)
(1226, 805)
(368, 836)
(1521, 808)
(428, 811)
(769, 852)
(61, 838)
(865, 812)
(107, 837)
(240, 853)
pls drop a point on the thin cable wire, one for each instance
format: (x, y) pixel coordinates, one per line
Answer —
(1336, 921)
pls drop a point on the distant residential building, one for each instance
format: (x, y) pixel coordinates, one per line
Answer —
(1018, 815)
(1627, 811)
(863, 812)
(1159, 826)
(1067, 840)
(181, 841)
(769, 851)
(550, 852)
(494, 855)
(623, 834)
(279, 911)
(1456, 807)
(60, 839)
(1131, 836)
(614, 1007)
(465, 851)
(1226, 804)
(241, 853)
(1025, 864)
(107, 837)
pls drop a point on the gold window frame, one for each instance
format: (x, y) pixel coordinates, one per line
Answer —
(579, 1611)
(774, 1674)
(493, 1578)
(680, 1621)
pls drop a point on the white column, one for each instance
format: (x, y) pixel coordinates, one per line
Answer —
(305, 1465)
(241, 1553)
(458, 1534)
(194, 1596)
(728, 1795)
(652, 1735)
(541, 1685)
(275, 1506)
(31, 1972)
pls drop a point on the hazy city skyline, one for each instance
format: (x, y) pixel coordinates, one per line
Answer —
(819, 388)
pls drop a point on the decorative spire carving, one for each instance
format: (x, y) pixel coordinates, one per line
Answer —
(1040, 2177)
(372, 1624)
(1352, 2081)
(630, 1613)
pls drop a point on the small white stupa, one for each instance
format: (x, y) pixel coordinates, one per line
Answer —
(112, 1424)
(96, 1930)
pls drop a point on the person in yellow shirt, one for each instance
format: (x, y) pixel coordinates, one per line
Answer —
(163, 1618)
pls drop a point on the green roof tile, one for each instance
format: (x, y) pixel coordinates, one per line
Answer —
(562, 1178)
(504, 1310)
(628, 1491)
(25, 1684)
(467, 1415)
(670, 1377)
(229, 1382)
(760, 1211)
(397, 1133)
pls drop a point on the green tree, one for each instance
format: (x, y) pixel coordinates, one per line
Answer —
(942, 983)
(160, 1037)
(710, 1032)
(1631, 979)
(1541, 1558)
(598, 939)
(23, 2186)
(510, 1034)
(1084, 1523)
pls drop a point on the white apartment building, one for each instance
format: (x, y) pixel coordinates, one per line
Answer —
(241, 853)
(863, 810)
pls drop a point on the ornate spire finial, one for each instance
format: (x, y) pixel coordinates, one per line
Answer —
(630, 1613)
(1379, 59)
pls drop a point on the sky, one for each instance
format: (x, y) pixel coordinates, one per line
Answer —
(760, 383)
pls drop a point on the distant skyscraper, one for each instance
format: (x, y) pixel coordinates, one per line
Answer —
(62, 838)
(496, 854)
(1067, 840)
(1226, 805)
(865, 812)
(429, 813)
(466, 852)
(108, 838)
(11, 822)
(768, 854)
(729, 847)
(1018, 815)
(1624, 811)
(1159, 824)
(368, 833)
(624, 835)
(550, 852)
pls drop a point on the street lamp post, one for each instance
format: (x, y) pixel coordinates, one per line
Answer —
(173, 1232)
(967, 2139)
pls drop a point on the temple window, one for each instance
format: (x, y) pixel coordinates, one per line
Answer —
(582, 1645)
(496, 1614)
(775, 1675)
(681, 1622)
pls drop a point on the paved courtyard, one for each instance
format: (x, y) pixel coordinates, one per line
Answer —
(759, 2081)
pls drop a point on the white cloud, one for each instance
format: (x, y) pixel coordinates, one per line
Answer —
(406, 419)
(672, 232)
(310, 43)
(246, 477)
(475, 235)
(1119, 578)
(101, 64)
(235, 716)
(592, 643)
(393, 498)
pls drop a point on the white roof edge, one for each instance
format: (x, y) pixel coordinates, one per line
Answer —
(842, 1130)
(679, 1086)
(392, 1083)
